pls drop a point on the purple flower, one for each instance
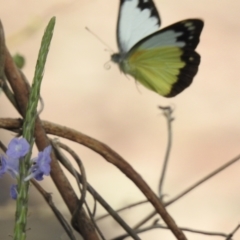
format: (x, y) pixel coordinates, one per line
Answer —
(17, 148)
(41, 165)
(9, 162)
(3, 164)
(9, 165)
(13, 192)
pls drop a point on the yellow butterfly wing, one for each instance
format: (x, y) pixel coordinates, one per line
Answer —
(157, 68)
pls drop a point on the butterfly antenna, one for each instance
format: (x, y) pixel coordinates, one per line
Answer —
(107, 65)
(104, 43)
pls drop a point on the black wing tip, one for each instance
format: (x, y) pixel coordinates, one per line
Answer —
(198, 23)
(151, 6)
(187, 73)
(191, 30)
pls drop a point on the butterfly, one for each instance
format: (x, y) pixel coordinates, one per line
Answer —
(165, 60)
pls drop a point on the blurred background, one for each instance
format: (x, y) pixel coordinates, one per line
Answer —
(80, 93)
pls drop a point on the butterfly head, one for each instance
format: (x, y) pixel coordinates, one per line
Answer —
(117, 58)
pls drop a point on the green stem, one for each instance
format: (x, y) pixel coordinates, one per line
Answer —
(28, 134)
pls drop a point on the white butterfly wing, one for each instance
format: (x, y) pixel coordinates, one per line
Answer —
(136, 20)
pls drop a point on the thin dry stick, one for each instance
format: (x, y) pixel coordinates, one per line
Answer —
(122, 209)
(48, 198)
(96, 196)
(212, 174)
(3, 83)
(158, 226)
(145, 219)
(83, 191)
(121, 164)
(57, 145)
(233, 232)
(167, 112)
(108, 154)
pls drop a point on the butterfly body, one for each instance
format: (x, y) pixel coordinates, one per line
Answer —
(164, 61)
